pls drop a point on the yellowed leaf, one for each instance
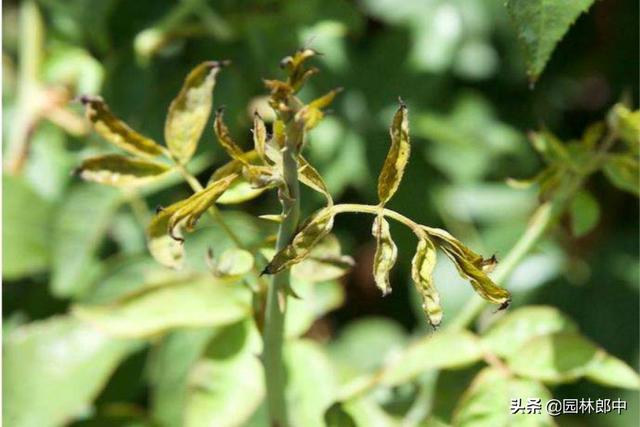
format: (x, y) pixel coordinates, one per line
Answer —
(397, 158)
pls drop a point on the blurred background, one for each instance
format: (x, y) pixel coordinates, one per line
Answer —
(456, 63)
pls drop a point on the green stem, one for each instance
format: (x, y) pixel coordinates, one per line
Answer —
(276, 296)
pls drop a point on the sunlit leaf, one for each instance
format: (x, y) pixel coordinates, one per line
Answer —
(385, 256)
(365, 344)
(440, 350)
(613, 372)
(54, 369)
(116, 131)
(190, 110)
(259, 136)
(311, 232)
(541, 25)
(325, 262)
(422, 267)
(80, 225)
(487, 402)
(226, 385)
(627, 125)
(309, 391)
(505, 337)
(623, 172)
(315, 300)
(555, 358)
(233, 263)
(585, 213)
(171, 360)
(120, 171)
(192, 303)
(397, 158)
(26, 235)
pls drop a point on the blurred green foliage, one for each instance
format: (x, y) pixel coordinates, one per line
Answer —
(74, 247)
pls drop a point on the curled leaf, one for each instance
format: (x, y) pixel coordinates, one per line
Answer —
(225, 139)
(471, 266)
(311, 114)
(385, 256)
(311, 232)
(188, 214)
(259, 136)
(120, 171)
(397, 158)
(310, 177)
(165, 249)
(422, 267)
(115, 130)
(190, 110)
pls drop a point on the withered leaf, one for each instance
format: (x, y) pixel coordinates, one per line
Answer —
(225, 139)
(120, 171)
(190, 110)
(422, 267)
(397, 158)
(259, 136)
(117, 132)
(385, 256)
(187, 214)
(310, 233)
(310, 177)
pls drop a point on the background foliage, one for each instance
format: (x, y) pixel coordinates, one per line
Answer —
(71, 246)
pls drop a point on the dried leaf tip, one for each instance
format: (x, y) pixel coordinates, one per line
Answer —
(218, 64)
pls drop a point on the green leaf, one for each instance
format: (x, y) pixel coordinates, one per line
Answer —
(233, 263)
(193, 303)
(170, 363)
(364, 345)
(121, 171)
(336, 416)
(309, 391)
(79, 228)
(441, 350)
(613, 372)
(487, 402)
(190, 111)
(325, 262)
(316, 300)
(226, 386)
(239, 192)
(585, 213)
(623, 172)
(507, 335)
(627, 125)
(26, 234)
(556, 358)
(53, 369)
(541, 24)
(116, 131)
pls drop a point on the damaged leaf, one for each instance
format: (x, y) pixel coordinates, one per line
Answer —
(385, 256)
(311, 232)
(422, 267)
(397, 158)
(119, 171)
(117, 132)
(190, 110)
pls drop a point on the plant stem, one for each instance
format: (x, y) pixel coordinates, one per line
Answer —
(276, 296)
